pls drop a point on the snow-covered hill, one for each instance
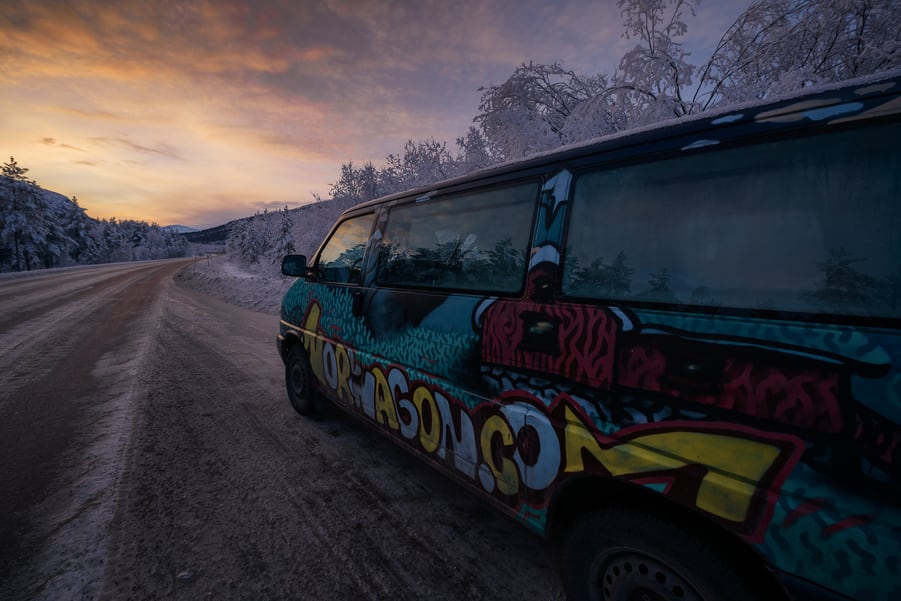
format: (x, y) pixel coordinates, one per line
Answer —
(180, 229)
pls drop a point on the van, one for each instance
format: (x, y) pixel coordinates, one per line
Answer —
(674, 352)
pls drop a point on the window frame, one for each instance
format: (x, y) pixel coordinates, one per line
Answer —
(315, 268)
(583, 167)
(449, 197)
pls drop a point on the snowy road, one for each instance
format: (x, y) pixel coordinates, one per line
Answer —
(149, 452)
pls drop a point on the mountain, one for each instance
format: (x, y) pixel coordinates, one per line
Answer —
(211, 235)
(180, 229)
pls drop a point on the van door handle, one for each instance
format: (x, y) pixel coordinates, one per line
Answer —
(357, 304)
(542, 328)
(540, 333)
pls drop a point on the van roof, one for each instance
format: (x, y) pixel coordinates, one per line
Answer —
(863, 98)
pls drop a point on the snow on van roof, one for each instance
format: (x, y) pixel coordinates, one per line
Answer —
(870, 84)
(725, 114)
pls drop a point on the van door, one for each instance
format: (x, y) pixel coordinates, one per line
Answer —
(439, 256)
(326, 308)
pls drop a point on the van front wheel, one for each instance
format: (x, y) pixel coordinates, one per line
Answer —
(298, 381)
(620, 554)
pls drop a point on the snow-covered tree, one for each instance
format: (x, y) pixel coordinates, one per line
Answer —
(265, 237)
(776, 46)
(284, 241)
(14, 187)
(527, 113)
(233, 243)
(252, 241)
(244, 239)
(83, 232)
(356, 185)
(653, 76)
(420, 164)
(53, 249)
(23, 226)
(114, 241)
(473, 152)
(40, 229)
(174, 245)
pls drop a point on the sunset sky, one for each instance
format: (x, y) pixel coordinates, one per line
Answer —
(199, 112)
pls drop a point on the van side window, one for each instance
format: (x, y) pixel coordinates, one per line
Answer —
(801, 225)
(474, 241)
(341, 259)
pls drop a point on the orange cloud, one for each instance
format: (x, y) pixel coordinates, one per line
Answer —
(185, 111)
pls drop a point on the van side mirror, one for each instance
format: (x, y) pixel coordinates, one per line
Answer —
(294, 265)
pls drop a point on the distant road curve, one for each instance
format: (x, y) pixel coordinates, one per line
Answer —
(148, 451)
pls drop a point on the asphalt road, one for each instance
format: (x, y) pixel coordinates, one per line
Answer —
(148, 451)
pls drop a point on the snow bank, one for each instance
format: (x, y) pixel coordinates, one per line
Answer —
(223, 279)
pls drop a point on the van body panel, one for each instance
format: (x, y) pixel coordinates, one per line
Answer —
(727, 354)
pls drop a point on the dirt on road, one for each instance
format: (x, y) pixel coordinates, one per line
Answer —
(190, 477)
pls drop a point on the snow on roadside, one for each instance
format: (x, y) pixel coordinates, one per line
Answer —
(221, 278)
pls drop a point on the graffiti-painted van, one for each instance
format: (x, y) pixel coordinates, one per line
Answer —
(676, 351)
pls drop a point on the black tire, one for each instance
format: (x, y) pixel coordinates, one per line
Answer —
(299, 382)
(625, 555)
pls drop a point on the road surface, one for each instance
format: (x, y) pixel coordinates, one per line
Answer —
(149, 452)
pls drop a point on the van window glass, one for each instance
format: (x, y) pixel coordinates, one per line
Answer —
(341, 259)
(801, 225)
(474, 241)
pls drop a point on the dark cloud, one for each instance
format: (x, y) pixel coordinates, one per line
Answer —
(52, 142)
(231, 89)
(161, 149)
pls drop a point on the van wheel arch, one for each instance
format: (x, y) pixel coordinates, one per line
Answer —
(291, 339)
(299, 380)
(575, 504)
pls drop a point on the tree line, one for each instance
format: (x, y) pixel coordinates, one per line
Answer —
(261, 241)
(774, 47)
(41, 229)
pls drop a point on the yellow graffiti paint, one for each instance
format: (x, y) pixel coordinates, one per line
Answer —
(385, 411)
(344, 372)
(505, 473)
(312, 322)
(735, 465)
(312, 342)
(429, 434)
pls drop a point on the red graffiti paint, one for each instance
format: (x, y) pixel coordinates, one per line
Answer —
(804, 509)
(571, 341)
(797, 394)
(853, 521)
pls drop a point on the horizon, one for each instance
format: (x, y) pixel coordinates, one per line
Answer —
(197, 113)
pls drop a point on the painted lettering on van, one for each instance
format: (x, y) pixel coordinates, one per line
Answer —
(515, 446)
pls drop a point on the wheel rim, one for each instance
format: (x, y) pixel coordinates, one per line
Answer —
(631, 576)
(298, 379)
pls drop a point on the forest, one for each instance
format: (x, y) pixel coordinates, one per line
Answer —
(775, 47)
(40, 229)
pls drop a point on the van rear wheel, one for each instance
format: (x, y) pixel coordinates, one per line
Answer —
(624, 555)
(298, 381)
